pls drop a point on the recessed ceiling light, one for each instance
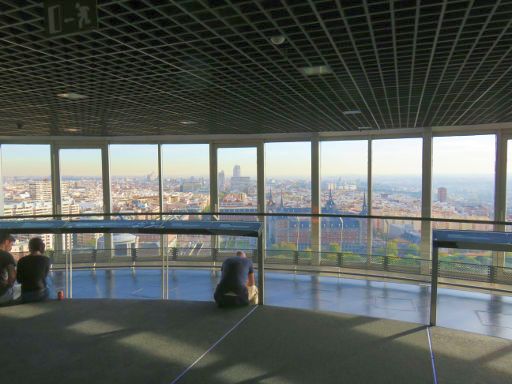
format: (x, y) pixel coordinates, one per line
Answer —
(188, 122)
(317, 70)
(72, 129)
(363, 128)
(277, 39)
(72, 96)
(352, 112)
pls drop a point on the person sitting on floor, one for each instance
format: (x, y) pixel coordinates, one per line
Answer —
(7, 269)
(236, 286)
(32, 272)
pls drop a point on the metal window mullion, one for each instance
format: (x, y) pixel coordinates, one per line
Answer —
(369, 196)
(261, 208)
(500, 192)
(426, 200)
(57, 209)
(214, 193)
(315, 201)
(107, 195)
(165, 267)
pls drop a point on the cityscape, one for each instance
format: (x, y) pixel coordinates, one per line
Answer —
(138, 196)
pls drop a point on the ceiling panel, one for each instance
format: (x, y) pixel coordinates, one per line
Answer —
(207, 67)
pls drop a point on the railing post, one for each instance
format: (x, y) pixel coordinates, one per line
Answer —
(433, 285)
(296, 257)
(493, 272)
(340, 260)
(134, 255)
(94, 257)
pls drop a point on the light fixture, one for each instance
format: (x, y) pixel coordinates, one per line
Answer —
(188, 122)
(72, 96)
(316, 70)
(277, 39)
(72, 129)
(352, 112)
(364, 128)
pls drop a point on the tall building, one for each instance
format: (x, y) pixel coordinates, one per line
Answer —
(442, 194)
(237, 172)
(40, 190)
(221, 181)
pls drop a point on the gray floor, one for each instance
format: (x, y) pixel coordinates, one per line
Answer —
(470, 311)
(83, 341)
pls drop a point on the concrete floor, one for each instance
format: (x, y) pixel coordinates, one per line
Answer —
(477, 312)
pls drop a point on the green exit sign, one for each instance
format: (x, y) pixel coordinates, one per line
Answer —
(65, 17)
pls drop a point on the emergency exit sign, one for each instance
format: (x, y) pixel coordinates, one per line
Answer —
(66, 17)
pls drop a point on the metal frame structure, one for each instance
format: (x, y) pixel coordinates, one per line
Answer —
(258, 141)
(214, 228)
(486, 240)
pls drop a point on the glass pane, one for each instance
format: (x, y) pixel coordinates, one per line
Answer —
(237, 179)
(344, 187)
(288, 190)
(82, 192)
(186, 188)
(27, 190)
(396, 183)
(396, 177)
(463, 188)
(135, 190)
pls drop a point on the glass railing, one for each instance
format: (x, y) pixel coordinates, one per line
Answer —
(395, 245)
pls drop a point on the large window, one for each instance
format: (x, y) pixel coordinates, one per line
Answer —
(463, 188)
(396, 183)
(344, 190)
(135, 192)
(186, 188)
(81, 192)
(288, 190)
(27, 187)
(237, 190)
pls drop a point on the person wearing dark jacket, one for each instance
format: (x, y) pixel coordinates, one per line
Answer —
(32, 271)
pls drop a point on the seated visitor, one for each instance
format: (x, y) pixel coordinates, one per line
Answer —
(7, 268)
(32, 272)
(236, 286)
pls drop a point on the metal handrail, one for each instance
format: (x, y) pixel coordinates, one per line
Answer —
(262, 214)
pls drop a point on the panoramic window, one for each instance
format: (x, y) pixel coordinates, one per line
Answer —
(288, 190)
(463, 188)
(396, 184)
(344, 190)
(237, 190)
(135, 192)
(27, 187)
(81, 192)
(186, 188)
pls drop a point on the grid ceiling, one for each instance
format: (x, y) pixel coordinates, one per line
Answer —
(154, 65)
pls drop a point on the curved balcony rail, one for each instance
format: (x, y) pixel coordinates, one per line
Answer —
(386, 247)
